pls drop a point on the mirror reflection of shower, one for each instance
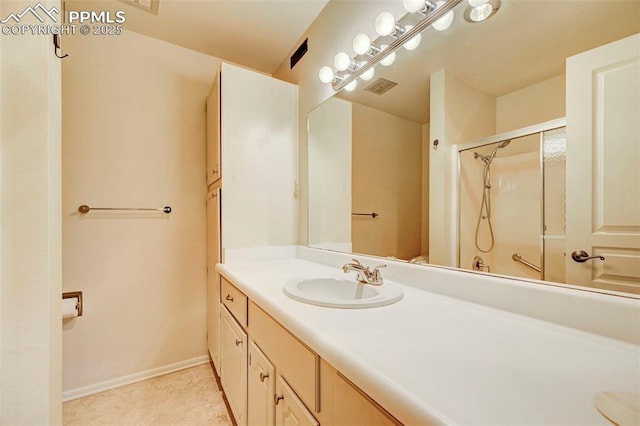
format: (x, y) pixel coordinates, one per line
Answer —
(510, 204)
(485, 204)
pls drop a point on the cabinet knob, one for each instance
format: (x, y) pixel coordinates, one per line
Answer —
(278, 398)
(263, 376)
(214, 172)
(238, 342)
(229, 298)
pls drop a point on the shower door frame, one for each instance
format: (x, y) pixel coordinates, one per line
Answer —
(513, 134)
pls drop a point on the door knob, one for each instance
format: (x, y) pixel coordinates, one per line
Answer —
(582, 256)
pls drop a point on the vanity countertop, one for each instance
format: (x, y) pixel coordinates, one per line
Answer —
(433, 358)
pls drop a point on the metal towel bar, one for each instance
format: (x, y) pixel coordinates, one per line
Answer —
(517, 257)
(86, 209)
(373, 215)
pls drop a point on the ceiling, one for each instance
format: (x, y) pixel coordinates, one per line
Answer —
(526, 42)
(257, 34)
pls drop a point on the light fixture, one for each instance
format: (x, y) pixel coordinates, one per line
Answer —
(414, 42)
(342, 62)
(420, 6)
(388, 60)
(413, 6)
(480, 10)
(351, 86)
(445, 22)
(439, 14)
(326, 74)
(361, 44)
(480, 13)
(385, 24)
(368, 74)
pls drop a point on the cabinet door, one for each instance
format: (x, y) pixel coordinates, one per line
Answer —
(213, 279)
(213, 132)
(262, 388)
(290, 411)
(233, 371)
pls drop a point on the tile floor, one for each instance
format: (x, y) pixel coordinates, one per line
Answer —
(187, 397)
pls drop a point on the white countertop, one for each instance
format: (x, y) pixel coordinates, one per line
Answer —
(430, 357)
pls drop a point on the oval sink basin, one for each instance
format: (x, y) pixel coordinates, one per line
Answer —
(341, 293)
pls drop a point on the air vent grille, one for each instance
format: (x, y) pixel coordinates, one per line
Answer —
(380, 86)
(148, 5)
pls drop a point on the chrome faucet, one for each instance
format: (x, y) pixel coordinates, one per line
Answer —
(365, 275)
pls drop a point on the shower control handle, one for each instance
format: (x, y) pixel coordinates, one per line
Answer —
(582, 256)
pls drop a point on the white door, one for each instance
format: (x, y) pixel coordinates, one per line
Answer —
(603, 166)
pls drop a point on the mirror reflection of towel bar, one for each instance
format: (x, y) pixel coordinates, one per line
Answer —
(517, 257)
(373, 215)
(86, 209)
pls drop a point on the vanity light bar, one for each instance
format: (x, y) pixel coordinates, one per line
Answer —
(430, 16)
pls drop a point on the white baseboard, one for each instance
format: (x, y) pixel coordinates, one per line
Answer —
(76, 393)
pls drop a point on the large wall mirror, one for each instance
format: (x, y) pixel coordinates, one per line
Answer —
(375, 185)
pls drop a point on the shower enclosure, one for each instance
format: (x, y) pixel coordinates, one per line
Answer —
(511, 203)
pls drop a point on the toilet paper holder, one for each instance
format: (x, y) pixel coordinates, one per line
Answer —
(71, 295)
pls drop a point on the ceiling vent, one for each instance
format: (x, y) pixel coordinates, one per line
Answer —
(150, 6)
(381, 86)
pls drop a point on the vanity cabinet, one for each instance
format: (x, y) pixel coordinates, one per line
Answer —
(281, 381)
(233, 365)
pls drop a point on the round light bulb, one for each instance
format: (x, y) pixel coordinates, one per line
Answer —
(368, 74)
(444, 22)
(476, 3)
(361, 44)
(325, 74)
(351, 86)
(341, 61)
(385, 23)
(480, 13)
(414, 41)
(389, 59)
(413, 6)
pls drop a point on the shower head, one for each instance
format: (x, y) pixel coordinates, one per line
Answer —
(503, 144)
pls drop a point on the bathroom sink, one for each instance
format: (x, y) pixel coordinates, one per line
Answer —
(341, 292)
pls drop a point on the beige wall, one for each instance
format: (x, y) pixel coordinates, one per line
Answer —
(387, 179)
(134, 136)
(533, 104)
(30, 253)
(459, 114)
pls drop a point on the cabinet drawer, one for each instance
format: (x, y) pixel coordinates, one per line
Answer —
(295, 361)
(235, 301)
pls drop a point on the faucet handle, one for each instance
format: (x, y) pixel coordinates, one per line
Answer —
(356, 262)
(376, 277)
